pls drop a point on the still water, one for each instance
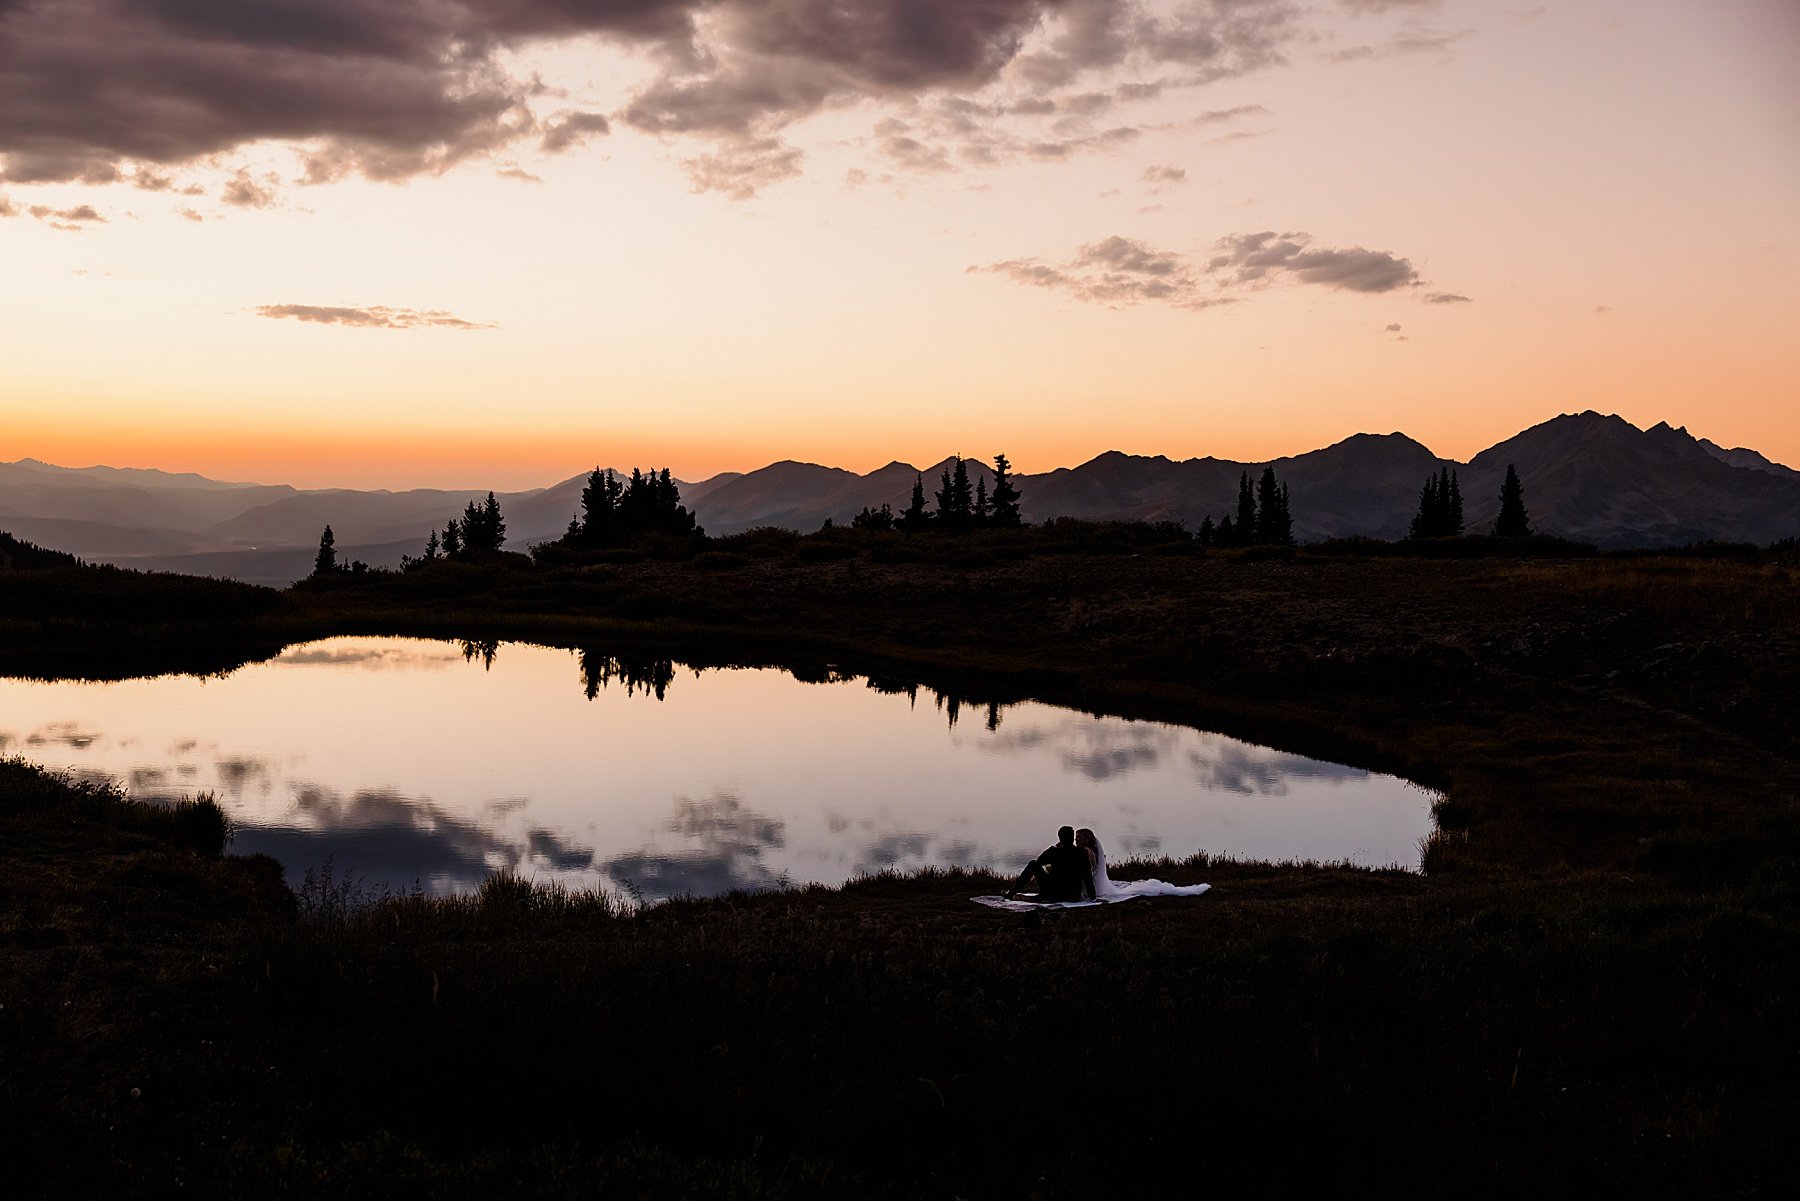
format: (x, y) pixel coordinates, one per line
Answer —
(409, 763)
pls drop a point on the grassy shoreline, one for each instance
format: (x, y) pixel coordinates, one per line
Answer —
(1592, 989)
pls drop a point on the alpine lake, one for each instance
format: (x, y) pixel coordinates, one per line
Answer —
(405, 764)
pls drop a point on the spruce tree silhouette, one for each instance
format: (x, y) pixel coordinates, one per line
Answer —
(1244, 532)
(1274, 524)
(1514, 521)
(1004, 499)
(1440, 512)
(326, 562)
(915, 517)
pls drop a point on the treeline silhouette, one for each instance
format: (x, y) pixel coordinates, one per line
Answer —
(631, 518)
(959, 508)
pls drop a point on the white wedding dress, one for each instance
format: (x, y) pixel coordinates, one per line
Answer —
(1108, 889)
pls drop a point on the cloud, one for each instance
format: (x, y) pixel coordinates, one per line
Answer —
(1412, 40)
(394, 88)
(376, 317)
(1382, 6)
(1115, 271)
(244, 192)
(1121, 271)
(1392, 327)
(1164, 175)
(570, 129)
(70, 219)
(1260, 258)
(1446, 298)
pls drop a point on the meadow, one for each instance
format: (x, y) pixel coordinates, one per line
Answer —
(1590, 988)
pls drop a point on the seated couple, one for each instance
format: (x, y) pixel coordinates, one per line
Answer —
(1074, 870)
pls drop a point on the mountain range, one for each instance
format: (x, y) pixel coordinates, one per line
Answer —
(1587, 476)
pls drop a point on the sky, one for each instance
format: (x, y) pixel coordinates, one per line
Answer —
(405, 243)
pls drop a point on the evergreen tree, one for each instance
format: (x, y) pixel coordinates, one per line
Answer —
(1225, 535)
(1244, 532)
(431, 547)
(599, 508)
(326, 563)
(1004, 499)
(1440, 512)
(1513, 521)
(1274, 524)
(452, 541)
(493, 526)
(914, 517)
(1208, 532)
(874, 519)
(955, 503)
(982, 510)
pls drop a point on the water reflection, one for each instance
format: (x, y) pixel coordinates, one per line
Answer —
(363, 751)
(726, 849)
(403, 841)
(650, 675)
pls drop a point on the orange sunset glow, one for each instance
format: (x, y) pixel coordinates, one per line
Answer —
(698, 235)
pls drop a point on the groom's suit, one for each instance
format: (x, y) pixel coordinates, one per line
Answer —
(1064, 874)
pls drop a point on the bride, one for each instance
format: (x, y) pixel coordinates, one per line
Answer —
(1107, 889)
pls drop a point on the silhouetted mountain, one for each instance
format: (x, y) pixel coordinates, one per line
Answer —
(1600, 479)
(1586, 476)
(800, 496)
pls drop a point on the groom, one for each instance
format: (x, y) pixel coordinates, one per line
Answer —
(1062, 872)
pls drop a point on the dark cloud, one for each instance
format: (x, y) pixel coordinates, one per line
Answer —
(1115, 271)
(1239, 767)
(393, 88)
(1259, 258)
(389, 840)
(1122, 271)
(570, 129)
(725, 841)
(377, 317)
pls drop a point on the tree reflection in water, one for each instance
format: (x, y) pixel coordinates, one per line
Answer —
(650, 674)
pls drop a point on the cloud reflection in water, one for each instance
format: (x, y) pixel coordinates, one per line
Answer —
(383, 835)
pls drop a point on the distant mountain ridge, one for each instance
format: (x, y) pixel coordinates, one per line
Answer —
(1587, 476)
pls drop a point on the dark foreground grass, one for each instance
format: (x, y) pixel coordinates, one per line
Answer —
(1590, 992)
(175, 1021)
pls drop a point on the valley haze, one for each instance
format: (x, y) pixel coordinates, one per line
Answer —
(1588, 477)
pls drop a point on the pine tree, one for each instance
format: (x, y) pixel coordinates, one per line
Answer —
(326, 563)
(1208, 534)
(1514, 521)
(914, 516)
(493, 526)
(955, 504)
(1274, 525)
(1244, 532)
(983, 511)
(599, 508)
(1005, 497)
(452, 541)
(1225, 535)
(431, 547)
(1440, 512)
